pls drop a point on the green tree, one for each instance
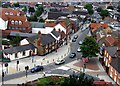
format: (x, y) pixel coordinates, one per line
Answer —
(89, 8)
(32, 18)
(16, 4)
(80, 80)
(24, 9)
(15, 41)
(31, 9)
(104, 13)
(89, 47)
(99, 9)
(39, 10)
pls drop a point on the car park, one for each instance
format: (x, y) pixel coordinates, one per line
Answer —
(72, 55)
(37, 69)
(60, 61)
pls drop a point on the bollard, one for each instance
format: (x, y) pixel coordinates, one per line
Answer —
(53, 60)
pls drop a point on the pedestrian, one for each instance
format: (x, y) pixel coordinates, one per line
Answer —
(44, 74)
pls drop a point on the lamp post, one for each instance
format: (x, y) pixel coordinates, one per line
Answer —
(6, 65)
(84, 66)
(26, 68)
(17, 64)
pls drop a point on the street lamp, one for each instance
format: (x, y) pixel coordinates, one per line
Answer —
(84, 66)
(6, 65)
(17, 64)
(26, 68)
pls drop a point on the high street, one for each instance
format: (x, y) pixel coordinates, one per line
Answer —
(52, 65)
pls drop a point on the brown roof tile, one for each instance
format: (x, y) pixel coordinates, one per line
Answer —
(109, 41)
(95, 26)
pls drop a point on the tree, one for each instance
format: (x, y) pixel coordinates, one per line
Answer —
(104, 13)
(99, 9)
(89, 8)
(24, 9)
(80, 80)
(31, 9)
(89, 47)
(16, 4)
(15, 41)
(39, 10)
(32, 18)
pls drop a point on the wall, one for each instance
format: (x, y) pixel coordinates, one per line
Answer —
(3, 24)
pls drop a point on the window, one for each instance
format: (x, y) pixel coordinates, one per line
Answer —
(11, 13)
(12, 22)
(6, 13)
(16, 22)
(23, 53)
(20, 22)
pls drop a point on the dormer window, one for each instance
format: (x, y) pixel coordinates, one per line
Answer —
(16, 22)
(6, 13)
(20, 22)
(12, 22)
(11, 13)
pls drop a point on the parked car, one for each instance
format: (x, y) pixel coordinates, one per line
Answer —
(80, 42)
(60, 61)
(76, 36)
(78, 50)
(72, 55)
(37, 69)
(73, 40)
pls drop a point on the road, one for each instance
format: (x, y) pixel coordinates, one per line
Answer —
(52, 66)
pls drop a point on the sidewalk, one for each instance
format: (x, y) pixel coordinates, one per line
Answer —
(91, 69)
(62, 52)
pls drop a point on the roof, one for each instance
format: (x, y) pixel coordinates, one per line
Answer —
(18, 18)
(22, 34)
(95, 26)
(37, 25)
(50, 24)
(115, 63)
(55, 33)
(109, 41)
(80, 12)
(5, 33)
(47, 39)
(111, 50)
(55, 15)
(19, 48)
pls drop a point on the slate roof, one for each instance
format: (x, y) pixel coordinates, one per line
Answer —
(111, 50)
(55, 33)
(55, 15)
(80, 12)
(19, 48)
(21, 34)
(47, 39)
(115, 63)
(37, 25)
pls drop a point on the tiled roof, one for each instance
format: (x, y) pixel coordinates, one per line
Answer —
(50, 24)
(5, 33)
(57, 34)
(95, 26)
(109, 41)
